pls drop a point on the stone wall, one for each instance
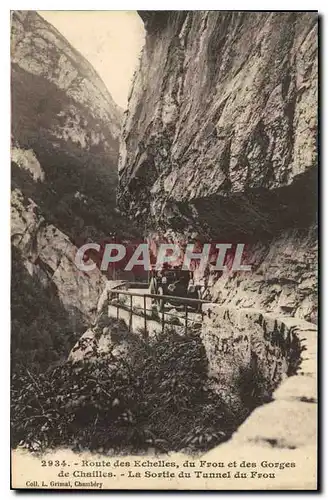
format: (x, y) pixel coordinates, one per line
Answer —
(282, 353)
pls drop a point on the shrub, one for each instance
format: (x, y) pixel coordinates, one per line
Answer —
(156, 397)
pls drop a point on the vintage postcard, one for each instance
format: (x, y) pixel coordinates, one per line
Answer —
(164, 250)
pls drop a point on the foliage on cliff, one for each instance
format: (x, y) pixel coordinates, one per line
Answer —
(220, 131)
(154, 398)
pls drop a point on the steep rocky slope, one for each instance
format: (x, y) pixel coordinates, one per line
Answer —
(219, 143)
(65, 141)
(64, 115)
(49, 255)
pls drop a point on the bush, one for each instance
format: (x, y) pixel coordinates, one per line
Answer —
(155, 398)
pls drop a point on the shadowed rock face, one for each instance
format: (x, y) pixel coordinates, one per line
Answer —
(219, 140)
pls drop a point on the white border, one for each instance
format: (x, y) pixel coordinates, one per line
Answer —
(6, 6)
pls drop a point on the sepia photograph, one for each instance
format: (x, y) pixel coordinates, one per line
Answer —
(164, 250)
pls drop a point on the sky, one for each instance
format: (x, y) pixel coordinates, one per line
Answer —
(110, 40)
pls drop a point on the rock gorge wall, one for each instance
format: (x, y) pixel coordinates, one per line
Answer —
(49, 255)
(219, 143)
(64, 117)
(65, 142)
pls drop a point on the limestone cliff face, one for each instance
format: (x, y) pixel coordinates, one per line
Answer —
(66, 89)
(65, 140)
(49, 255)
(219, 142)
(63, 114)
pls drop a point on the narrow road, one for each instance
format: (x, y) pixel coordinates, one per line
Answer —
(174, 315)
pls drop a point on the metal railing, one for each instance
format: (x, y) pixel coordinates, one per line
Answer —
(198, 303)
(139, 284)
